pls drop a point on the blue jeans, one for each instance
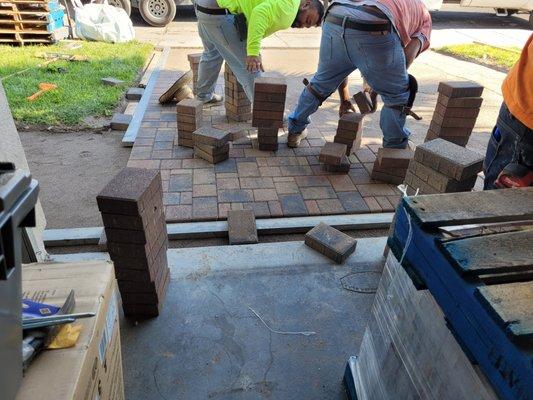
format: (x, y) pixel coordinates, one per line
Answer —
(221, 43)
(381, 60)
(510, 142)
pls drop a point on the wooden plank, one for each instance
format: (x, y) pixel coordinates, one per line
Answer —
(500, 252)
(511, 305)
(509, 277)
(432, 211)
(464, 231)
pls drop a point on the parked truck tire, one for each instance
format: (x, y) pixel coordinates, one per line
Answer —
(157, 12)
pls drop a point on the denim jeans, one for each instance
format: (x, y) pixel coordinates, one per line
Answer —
(510, 142)
(381, 60)
(221, 43)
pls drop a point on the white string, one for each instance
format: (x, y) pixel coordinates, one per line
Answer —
(403, 189)
(304, 333)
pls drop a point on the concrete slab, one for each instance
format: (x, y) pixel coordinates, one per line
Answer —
(208, 343)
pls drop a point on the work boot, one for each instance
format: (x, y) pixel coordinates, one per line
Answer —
(216, 98)
(294, 139)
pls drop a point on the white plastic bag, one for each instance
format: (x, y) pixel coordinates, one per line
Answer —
(103, 23)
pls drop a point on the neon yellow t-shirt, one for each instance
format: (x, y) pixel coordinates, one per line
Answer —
(264, 17)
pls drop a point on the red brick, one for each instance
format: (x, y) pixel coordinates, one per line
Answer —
(453, 122)
(270, 97)
(266, 84)
(351, 121)
(268, 106)
(433, 126)
(460, 89)
(332, 153)
(394, 158)
(456, 112)
(331, 242)
(462, 102)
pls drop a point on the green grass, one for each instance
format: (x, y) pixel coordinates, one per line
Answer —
(501, 58)
(80, 94)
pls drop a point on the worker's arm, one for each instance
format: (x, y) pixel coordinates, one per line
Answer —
(412, 50)
(344, 94)
(265, 15)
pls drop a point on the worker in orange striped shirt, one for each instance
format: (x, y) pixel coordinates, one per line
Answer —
(509, 158)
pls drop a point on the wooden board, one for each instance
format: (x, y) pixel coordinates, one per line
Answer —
(499, 252)
(432, 211)
(511, 305)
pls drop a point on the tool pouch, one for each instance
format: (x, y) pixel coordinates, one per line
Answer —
(240, 24)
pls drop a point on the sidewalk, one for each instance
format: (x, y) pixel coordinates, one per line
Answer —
(290, 182)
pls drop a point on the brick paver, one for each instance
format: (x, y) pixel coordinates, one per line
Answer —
(288, 182)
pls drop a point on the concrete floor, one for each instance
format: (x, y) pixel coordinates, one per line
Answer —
(207, 343)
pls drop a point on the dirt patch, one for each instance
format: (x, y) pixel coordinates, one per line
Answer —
(72, 167)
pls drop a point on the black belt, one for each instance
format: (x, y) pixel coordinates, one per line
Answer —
(359, 26)
(212, 11)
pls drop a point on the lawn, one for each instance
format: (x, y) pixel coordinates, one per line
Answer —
(80, 93)
(500, 58)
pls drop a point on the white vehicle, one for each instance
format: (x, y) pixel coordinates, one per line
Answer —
(502, 7)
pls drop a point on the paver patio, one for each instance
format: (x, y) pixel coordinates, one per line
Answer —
(289, 182)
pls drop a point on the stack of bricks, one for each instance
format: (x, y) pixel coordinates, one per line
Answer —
(238, 106)
(456, 112)
(194, 61)
(333, 157)
(350, 131)
(132, 211)
(211, 144)
(391, 165)
(440, 166)
(269, 105)
(189, 117)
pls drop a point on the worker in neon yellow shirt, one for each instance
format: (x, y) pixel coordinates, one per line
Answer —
(232, 30)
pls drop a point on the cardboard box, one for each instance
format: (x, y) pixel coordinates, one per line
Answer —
(92, 369)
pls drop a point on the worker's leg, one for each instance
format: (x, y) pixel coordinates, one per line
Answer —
(510, 142)
(222, 34)
(382, 62)
(333, 66)
(211, 60)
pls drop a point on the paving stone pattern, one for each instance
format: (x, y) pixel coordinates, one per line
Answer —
(289, 182)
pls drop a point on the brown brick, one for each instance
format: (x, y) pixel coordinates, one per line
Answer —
(268, 146)
(185, 127)
(454, 112)
(453, 122)
(450, 159)
(189, 119)
(461, 102)
(120, 122)
(344, 166)
(185, 142)
(241, 227)
(129, 192)
(459, 140)
(189, 107)
(372, 204)
(394, 171)
(439, 181)
(267, 123)
(267, 140)
(363, 102)
(460, 89)
(440, 130)
(236, 94)
(236, 102)
(388, 178)
(214, 151)
(331, 242)
(211, 136)
(269, 97)
(261, 114)
(213, 159)
(266, 84)
(394, 158)
(268, 106)
(351, 121)
(267, 132)
(332, 153)
(246, 109)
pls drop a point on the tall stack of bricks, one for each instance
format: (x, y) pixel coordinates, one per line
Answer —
(391, 165)
(333, 157)
(440, 166)
(350, 131)
(269, 105)
(189, 117)
(134, 221)
(238, 106)
(211, 144)
(456, 112)
(194, 61)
